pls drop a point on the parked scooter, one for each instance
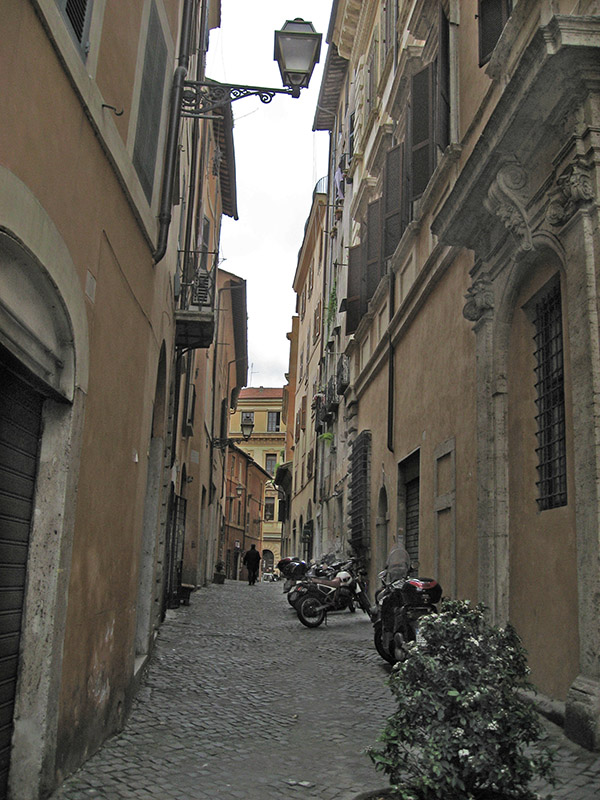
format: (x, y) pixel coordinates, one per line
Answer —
(321, 596)
(400, 604)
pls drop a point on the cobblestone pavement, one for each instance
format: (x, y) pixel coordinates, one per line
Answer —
(242, 702)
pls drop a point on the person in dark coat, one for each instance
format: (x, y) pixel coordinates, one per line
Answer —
(251, 561)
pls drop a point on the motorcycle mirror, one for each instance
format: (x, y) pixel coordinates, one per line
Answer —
(414, 565)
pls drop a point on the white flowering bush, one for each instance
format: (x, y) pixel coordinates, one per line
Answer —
(461, 731)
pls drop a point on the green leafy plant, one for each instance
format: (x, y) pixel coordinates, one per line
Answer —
(461, 730)
(331, 307)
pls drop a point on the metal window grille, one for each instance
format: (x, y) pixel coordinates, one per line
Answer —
(411, 532)
(550, 401)
(360, 481)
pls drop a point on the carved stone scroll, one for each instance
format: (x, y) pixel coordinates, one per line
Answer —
(506, 202)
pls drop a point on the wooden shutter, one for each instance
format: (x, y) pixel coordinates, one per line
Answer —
(150, 109)
(374, 261)
(354, 293)
(442, 104)
(422, 113)
(492, 17)
(392, 200)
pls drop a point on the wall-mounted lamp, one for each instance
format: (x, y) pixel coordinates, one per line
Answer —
(247, 427)
(297, 51)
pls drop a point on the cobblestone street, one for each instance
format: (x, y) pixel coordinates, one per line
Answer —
(241, 701)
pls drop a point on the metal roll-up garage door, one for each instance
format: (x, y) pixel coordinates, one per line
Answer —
(412, 519)
(20, 422)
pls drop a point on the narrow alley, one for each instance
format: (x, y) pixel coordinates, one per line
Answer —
(242, 702)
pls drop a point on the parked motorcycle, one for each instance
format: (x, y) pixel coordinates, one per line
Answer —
(315, 572)
(292, 570)
(400, 604)
(321, 596)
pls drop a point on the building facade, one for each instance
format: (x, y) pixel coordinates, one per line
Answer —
(110, 210)
(310, 393)
(245, 488)
(263, 407)
(463, 241)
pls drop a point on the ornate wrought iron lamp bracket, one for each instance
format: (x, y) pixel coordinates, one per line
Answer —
(200, 99)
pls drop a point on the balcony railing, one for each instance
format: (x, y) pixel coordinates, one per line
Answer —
(195, 314)
(332, 399)
(343, 374)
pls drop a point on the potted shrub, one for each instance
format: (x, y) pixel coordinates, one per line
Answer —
(461, 729)
(219, 575)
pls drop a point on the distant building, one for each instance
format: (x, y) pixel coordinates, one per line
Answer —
(267, 447)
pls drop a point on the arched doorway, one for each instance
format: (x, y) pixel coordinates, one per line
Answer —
(268, 561)
(44, 361)
(381, 531)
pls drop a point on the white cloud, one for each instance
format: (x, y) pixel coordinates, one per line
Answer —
(278, 161)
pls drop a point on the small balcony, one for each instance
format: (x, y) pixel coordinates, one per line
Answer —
(332, 399)
(195, 313)
(343, 374)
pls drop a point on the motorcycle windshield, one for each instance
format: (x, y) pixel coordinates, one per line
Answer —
(398, 564)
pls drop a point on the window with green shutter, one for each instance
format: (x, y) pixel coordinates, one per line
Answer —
(374, 261)
(354, 289)
(392, 200)
(150, 107)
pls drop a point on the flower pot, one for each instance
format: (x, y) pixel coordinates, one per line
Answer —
(219, 577)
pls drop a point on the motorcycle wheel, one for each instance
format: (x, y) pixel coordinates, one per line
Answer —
(377, 639)
(310, 612)
(291, 601)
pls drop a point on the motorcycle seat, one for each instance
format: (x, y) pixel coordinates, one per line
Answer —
(325, 582)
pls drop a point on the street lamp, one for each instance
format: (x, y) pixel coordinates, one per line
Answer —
(297, 50)
(247, 427)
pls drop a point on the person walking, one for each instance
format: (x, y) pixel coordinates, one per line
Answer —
(251, 562)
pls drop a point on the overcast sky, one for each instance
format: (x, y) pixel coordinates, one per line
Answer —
(278, 162)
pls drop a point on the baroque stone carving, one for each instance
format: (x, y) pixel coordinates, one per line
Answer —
(573, 188)
(504, 200)
(480, 298)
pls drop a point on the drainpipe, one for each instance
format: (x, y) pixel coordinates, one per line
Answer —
(166, 197)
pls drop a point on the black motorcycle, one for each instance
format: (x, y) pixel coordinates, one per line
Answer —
(321, 596)
(316, 572)
(292, 570)
(400, 604)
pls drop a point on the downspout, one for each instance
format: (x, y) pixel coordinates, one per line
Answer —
(166, 196)
(391, 392)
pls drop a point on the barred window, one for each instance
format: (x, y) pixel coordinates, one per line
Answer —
(550, 401)
(78, 15)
